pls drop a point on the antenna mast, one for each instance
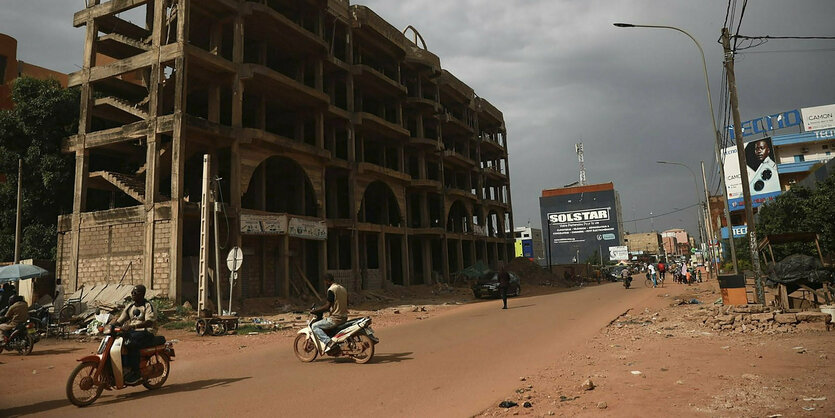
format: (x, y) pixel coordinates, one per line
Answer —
(579, 149)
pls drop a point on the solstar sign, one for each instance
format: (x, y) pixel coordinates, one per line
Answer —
(579, 216)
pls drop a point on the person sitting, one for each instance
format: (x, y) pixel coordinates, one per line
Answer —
(17, 314)
(137, 321)
(337, 305)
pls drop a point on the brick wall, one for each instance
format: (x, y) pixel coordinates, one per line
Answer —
(113, 252)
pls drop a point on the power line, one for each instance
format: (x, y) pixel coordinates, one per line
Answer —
(780, 37)
(664, 214)
(776, 51)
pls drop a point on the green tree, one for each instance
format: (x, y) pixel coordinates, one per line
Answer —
(801, 210)
(43, 115)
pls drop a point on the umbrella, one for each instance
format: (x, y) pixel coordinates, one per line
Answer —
(20, 272)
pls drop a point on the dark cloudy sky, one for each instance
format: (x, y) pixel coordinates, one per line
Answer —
(561, 73)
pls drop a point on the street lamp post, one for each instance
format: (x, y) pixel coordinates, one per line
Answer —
(718, 139)
(698, 192)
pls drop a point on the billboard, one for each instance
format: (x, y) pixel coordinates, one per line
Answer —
(820, 117)
(579, 221)
(763, 180)
(619, 253)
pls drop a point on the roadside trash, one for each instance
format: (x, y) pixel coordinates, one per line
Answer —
(564, 398)
(694, 301)
(718, 301)
(808, 408)
(602, 405)
(508, 404)
(527, 405)
(636, 372)
(822, 398)
(775, 416)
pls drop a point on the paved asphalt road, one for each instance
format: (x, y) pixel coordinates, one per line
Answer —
(453, 364)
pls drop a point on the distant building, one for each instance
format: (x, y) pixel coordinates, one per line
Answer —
(529, 243)
(580, 221)
(643, 243)
(672, 237)
(11, 69)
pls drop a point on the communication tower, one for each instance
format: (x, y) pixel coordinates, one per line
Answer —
(579, 149)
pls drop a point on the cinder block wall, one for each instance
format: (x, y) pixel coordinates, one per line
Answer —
(112, 248)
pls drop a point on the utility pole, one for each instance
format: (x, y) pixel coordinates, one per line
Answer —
(743, 167)
(17, 218)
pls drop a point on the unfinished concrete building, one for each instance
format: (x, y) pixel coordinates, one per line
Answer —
(341, 144)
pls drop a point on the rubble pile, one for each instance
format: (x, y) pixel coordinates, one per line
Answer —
(531, 273)
(759, 318)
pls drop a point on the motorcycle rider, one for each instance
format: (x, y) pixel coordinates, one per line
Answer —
(626, 277)
(17, 314)
(137, 322)
(337, 305)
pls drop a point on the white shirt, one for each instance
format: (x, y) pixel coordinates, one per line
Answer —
(651, 269)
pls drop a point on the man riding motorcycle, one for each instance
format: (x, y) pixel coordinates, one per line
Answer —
(137, 321)
(17, 314)
(337, 305)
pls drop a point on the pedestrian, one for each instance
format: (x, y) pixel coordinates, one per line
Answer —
(504, 283)
(689, 277)
(662, 269)
(651, 272)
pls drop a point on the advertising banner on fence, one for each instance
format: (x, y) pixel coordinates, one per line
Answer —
(820, 117)
(763, 180)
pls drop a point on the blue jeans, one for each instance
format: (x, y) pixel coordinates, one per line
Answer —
(654, 279)
(320, 326)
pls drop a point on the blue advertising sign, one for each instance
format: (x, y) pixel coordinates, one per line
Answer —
(767, 123)
(739, 231)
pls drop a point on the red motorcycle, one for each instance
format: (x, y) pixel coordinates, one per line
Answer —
(103, 370)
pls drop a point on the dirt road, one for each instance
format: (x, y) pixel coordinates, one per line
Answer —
(454, 364)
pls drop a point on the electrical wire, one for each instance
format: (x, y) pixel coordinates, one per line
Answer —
(665, 214)
(767, 37)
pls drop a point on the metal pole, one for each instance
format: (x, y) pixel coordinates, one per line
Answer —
(202, 285)
(17, 217)
(548, 223)
(715, 131)
(743, 167)
(217, 255)
(709, 223)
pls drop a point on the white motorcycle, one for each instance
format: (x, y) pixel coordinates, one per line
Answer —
(354, 339)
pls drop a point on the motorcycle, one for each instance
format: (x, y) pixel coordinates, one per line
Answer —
(42, 317)
(354, 339)
(22, 338)
(103, 370)
(627, 282)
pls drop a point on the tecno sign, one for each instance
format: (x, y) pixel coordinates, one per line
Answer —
(588, 215)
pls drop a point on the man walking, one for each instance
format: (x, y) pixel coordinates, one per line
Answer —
(504, 283)
(651, 271)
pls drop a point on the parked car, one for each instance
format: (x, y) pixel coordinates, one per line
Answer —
(488, 286)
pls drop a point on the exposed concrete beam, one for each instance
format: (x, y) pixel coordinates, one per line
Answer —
(145, 59)
(111, 7)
